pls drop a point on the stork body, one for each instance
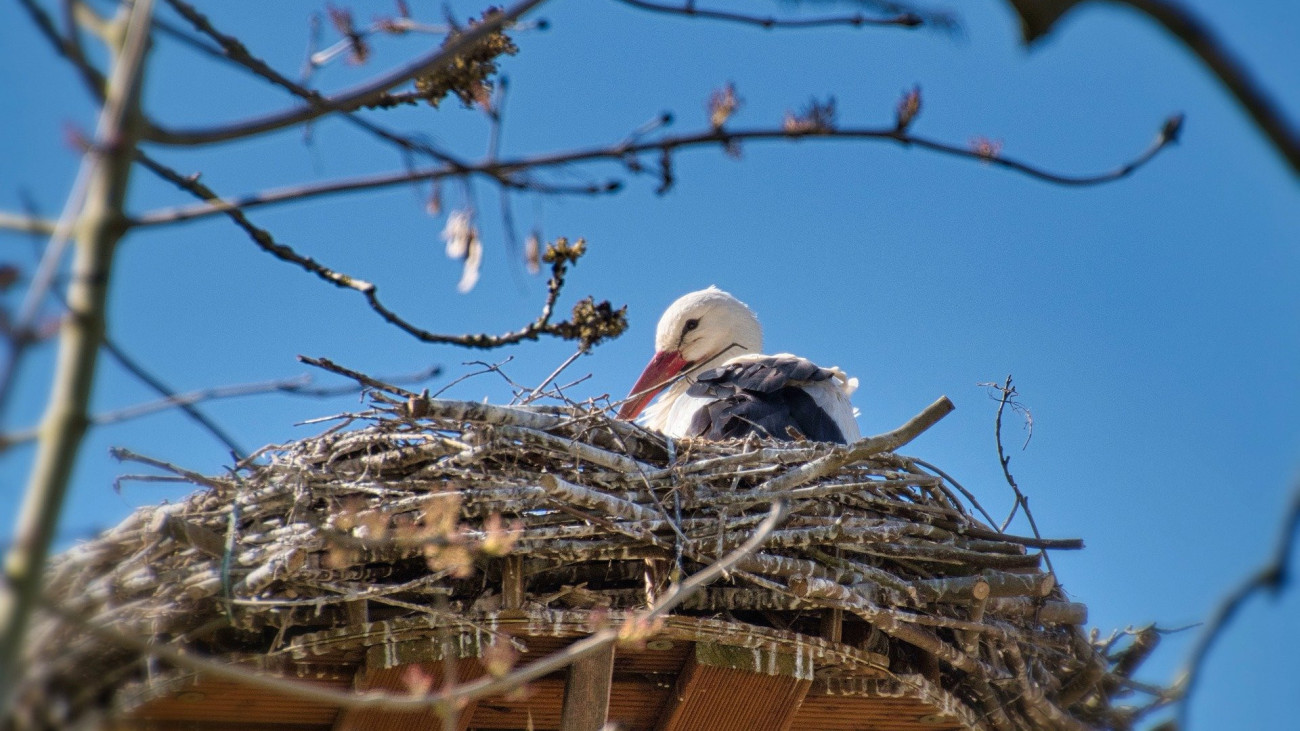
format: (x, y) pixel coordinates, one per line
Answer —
(716, 384)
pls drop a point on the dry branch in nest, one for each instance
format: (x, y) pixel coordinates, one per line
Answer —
(452, 512)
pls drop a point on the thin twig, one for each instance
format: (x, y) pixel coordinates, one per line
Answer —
(126, 455)
(388, 25)
(24, 224)
(92, 78)
(1179, 20)
(363, 379)
(625, 150)
(1008, 390)
(965, 493)
(349, 99)
(233, 50)
(295, 386)
(187, 407)
(487, 368)
(1038, 19)
(860, 449)
(857, 20)
(21, 333)
(554, 374)
(1273, 577)
(534, 330)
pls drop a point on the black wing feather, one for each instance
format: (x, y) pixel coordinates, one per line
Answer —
(762, 397)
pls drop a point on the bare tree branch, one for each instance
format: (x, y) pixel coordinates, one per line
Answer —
(260, 236)
(347, 100)
(26, 224)
(301, 385)
(131, 366)
(264, 240)
(233, 50)
(1273, 577)
(1038, 18)
(857, 20)
(627, 150)
(1197, 35)
(361, 378)
(99, 229)
(590, 322)
(22, 333)
(92, 77)
(189, 409)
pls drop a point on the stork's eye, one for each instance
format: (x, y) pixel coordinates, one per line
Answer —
(691, 324)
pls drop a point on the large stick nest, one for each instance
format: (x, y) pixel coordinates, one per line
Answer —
(420, 507)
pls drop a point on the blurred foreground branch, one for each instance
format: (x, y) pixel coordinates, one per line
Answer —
(1038, 18)
(65, 421)
(1273, 577)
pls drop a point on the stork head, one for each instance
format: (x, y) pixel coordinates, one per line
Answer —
(698, 331)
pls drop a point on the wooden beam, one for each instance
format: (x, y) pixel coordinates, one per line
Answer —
(656, 578)
(832, 625)
(358, 612)
(512, 582)
(586, 692)
(736, 689)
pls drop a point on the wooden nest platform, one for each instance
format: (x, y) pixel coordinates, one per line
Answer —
(346, 581)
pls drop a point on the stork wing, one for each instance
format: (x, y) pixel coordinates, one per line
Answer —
(771, 395)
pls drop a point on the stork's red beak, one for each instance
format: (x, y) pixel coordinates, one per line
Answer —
(654, 378)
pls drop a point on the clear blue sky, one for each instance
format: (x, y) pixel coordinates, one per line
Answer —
(1151, 324)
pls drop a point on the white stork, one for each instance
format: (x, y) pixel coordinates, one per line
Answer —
(719, 386)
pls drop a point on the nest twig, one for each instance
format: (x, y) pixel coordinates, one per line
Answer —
(415, 511)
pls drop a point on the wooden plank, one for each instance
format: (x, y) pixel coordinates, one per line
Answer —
(586, 692)
(358, 612)
(634, 705)
(827, 713)
(137, 725)
(655, 577)
(219, 701)
(832, 625)
(736, 689)
(907, 703)
(341, 644)
(512, 583)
